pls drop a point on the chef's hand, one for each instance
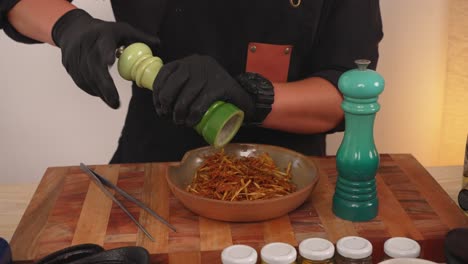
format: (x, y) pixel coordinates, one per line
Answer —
(88, 49)
(184, 90)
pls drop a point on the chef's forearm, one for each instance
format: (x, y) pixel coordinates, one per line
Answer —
(35, 18)
(312, 105)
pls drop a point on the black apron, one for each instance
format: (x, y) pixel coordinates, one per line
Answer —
(223, 30)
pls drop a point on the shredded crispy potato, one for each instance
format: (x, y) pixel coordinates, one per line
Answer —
(224, 177)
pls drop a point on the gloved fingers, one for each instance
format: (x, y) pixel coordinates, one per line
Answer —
(160, 87)
(106, 48)
(186, 98)
(74, 68)
(81, 82)
(193, 88)
(199, 108)
(105, 84)
(101, 81)
(125, 35)
(129, 35)
(87, 61)
(240, 98)
(170, 91)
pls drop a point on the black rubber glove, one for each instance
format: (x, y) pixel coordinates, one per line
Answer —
(70, 254)
(88, 48)
(184, 90)
(95, 254)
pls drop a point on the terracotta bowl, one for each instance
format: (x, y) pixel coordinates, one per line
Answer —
(304, 176)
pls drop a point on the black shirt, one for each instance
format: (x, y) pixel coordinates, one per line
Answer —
(327, 37)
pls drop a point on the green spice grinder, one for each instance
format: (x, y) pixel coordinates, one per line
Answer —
(221, 121)
(357, 159)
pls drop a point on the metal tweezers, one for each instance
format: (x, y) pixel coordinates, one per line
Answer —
(102, 183)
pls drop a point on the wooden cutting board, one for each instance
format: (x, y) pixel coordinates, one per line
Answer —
(67, 209)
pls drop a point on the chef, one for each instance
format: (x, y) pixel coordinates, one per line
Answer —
(277, 60)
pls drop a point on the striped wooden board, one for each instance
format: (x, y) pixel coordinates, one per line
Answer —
(67, 210)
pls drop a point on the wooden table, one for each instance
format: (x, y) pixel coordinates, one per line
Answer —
(67, 210)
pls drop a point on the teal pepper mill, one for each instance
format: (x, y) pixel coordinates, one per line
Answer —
(218, 125)
(357, 159)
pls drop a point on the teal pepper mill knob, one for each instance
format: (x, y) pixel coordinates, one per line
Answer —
(357, 159)
(218, 125)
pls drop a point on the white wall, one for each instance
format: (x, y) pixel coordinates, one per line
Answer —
(413, 63)
(47, 121)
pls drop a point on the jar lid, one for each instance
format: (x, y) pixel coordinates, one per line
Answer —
(402, 247)
(239, 254)
(354, 247)
(278, 253)
(316, 249)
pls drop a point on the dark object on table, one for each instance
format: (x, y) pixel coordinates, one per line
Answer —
(95, 254)
(463, 194)
(5, 252)
(70, 254)
(456, 246)
(465, 167)
(463, 198)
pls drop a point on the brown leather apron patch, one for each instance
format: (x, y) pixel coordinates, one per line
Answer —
(271, 61)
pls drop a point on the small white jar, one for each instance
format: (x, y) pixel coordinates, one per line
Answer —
(316, 249)
(278, 253)
(353, 248)
(239, 254)
(401, 247)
